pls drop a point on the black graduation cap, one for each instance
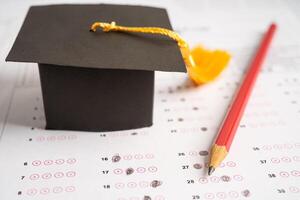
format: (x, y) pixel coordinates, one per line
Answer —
(96, 81)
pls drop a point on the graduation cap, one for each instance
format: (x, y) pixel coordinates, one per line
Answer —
(96, 81)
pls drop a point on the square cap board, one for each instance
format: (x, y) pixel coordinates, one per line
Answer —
(59, 35)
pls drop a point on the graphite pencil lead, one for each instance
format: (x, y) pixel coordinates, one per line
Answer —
(211, 169)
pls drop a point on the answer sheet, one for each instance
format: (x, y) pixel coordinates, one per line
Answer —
(167, 161)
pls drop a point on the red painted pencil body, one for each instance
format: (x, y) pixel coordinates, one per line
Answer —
(234, 115)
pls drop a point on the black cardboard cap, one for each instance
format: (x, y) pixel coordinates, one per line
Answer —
(59, 35)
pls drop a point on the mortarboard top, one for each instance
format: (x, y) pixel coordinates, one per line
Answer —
(59, 35)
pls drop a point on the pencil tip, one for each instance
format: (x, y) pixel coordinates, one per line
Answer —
(211, 169)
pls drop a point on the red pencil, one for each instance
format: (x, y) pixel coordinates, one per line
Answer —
(228, 129)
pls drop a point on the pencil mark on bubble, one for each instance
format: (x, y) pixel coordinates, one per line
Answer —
(203, 153)
(225, 178)
(246, 193)
(197, 166)
(129, 171)
(156, 183)
(146, 197)
(116, 158)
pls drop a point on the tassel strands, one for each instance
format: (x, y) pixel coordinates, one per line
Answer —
(202, 65)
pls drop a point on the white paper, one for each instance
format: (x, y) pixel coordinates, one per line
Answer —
(162, 161)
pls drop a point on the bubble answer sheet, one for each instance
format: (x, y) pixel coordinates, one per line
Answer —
(167, 161)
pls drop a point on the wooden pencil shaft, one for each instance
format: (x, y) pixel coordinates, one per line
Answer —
(229, 126)
(234, 115)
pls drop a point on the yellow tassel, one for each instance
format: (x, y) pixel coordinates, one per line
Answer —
(202, 65)
(208, 64)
